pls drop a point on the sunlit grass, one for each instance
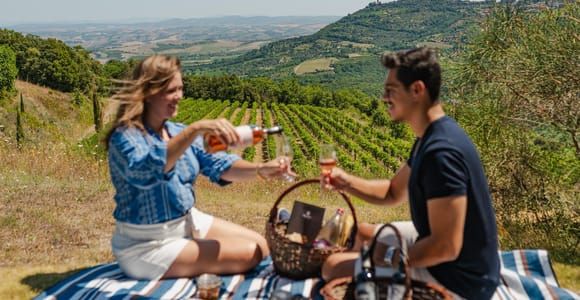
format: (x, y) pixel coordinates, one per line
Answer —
(56, 206)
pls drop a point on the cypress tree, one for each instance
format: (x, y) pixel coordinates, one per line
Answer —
(21, 103)
(97, 112)
(19, 130)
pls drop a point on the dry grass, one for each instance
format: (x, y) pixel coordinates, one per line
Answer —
(315, 65)
(56, 205)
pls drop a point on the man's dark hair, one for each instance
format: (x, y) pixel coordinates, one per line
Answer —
(416, 64)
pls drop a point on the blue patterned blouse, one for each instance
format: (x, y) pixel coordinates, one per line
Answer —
(145, 194)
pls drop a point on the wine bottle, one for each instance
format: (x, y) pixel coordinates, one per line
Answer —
(345, 230)
(249, 135)
(330, 232)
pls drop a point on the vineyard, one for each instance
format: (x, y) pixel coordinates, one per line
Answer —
(362, 148)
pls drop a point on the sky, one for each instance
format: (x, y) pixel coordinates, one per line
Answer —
(51, 11)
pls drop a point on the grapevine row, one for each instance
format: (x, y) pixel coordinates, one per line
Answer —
(230, 111)
(193, 110)
(241, 113)
(388, 144)
(268, 146)
(217, 111)
(321, 137)
(299, 162)
(357, 138)
(356, 153)
(250, 152)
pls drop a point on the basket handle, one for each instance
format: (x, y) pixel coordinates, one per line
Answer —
(371, 251)
(274, 210)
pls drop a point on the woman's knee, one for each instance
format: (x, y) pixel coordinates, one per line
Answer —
(263, 244)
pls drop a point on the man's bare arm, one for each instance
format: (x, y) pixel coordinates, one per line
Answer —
(381, 192)
(446, 221)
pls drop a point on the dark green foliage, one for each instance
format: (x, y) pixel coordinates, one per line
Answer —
(119, 70)
(97, 112)
(366, 33)
(8, 70)
(50, 62)
(21, 103)
(19, 129)
(518, 82)
(288, 91)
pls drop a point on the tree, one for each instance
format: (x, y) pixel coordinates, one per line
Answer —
(97, 112)
(517, 81)
(8, 70)
(19, 129)
(532, 59)
(50, 62)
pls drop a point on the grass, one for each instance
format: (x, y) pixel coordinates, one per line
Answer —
(435, 45)
(315, 66)
(55, 215)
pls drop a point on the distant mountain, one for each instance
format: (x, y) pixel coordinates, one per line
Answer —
(192, 39)
(352, 44)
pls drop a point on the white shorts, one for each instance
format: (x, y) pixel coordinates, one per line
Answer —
(147, 251)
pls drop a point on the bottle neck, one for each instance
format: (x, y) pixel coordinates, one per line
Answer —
(273, 130)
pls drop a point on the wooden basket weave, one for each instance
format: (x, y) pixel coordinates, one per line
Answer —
(295, 260)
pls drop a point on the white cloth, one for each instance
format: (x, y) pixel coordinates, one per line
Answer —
(147, 251)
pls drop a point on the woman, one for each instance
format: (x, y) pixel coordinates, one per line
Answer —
(154, 164)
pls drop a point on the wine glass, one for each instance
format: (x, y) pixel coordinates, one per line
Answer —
(327, 159)
(285, 149)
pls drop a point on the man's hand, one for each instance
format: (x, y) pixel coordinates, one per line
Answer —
(337, 179)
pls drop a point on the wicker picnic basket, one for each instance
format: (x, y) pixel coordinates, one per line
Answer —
(345, 287)
(296, 260)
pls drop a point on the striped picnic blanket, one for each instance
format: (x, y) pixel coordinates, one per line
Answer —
(525, 274)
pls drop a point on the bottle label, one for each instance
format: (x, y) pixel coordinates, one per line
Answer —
(246, 137)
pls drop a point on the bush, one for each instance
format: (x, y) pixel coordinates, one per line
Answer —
(518, 82)
(8, 70)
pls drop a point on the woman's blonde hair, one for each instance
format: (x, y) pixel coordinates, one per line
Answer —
(150, 76)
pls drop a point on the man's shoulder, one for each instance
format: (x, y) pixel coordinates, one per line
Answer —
(447, 136)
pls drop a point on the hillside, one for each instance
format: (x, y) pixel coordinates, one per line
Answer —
(354, 42)
(49, 115)
(194, 40)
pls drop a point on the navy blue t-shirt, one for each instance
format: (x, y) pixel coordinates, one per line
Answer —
(444, 162)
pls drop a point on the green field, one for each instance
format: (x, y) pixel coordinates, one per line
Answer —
(315, 66)
(361, 147)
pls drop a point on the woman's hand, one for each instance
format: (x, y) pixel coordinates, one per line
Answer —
(221, 128)
(337, 179)
(277, 167)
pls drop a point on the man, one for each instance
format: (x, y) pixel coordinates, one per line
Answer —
(452, 239)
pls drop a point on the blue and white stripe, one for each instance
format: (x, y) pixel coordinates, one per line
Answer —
(525, 274)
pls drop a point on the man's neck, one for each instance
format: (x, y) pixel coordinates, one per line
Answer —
(423, 118)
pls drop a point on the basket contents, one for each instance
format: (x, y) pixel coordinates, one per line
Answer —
(336, 231)
(305, 220)
(295, 250)
(299, 226)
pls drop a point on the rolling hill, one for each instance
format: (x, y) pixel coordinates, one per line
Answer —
(49, 116)
(195, 40)
(356, 40)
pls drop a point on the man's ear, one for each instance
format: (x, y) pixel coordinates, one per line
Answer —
(418, 88)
